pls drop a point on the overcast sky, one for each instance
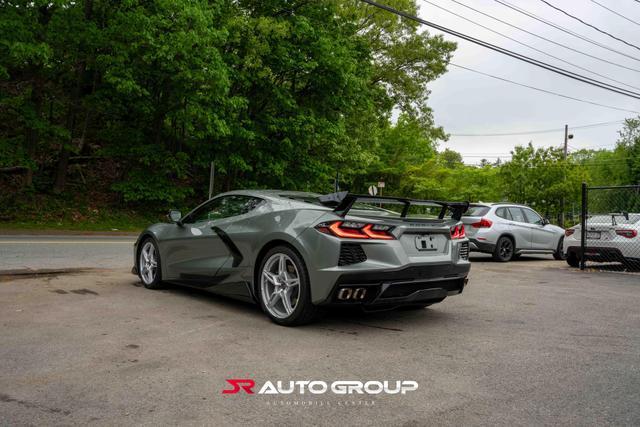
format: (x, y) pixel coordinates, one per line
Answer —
(467, 103)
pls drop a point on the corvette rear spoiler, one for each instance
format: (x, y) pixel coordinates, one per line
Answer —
(343, 201)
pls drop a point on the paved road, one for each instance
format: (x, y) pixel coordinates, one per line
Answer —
(529, 342)
(55, 251)
(45, 252)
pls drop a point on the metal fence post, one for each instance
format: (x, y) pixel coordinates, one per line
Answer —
(583, 225)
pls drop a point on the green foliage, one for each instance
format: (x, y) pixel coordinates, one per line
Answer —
(541, 178)
(278, 93)
(129, 102)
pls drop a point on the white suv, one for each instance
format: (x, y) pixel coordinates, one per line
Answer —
(508, 230)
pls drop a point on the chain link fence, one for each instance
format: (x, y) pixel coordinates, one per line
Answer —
(608, 236)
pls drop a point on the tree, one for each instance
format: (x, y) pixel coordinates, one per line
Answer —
(629, 145)
(541, 178)
(450, 159)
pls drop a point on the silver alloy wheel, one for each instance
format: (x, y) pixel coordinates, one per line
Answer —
(280, 285)
(148, 263)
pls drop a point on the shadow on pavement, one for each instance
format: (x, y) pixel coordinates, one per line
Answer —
(336, 317)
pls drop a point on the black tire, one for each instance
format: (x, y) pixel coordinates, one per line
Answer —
(573, 260)
(156, 283)
(304, 311)
(505, 249)
(631, 264)
(558, 254)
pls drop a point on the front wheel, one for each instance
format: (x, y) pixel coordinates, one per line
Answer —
(505, 249)
(149, 265)
(559, 254)
(573, 260)
(283, 288)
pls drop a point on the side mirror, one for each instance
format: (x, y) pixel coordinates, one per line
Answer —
(175, 216)
(545, 221)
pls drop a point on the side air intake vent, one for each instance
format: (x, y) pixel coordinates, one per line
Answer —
(351, 253)
(464, 250)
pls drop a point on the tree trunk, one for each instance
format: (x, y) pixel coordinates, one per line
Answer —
(31, 137)
(65, 153)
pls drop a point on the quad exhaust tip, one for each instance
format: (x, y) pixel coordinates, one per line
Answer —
(352, 294)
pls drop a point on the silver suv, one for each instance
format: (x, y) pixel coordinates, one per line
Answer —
(508, 230)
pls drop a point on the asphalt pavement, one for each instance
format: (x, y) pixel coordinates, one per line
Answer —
(65, 251)
(531, 342)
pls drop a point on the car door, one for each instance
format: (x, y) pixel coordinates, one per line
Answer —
(198, 250)
(520, 228)
(542, 236)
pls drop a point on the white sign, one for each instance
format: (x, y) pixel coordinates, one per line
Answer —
(373, 190)
(381, 184)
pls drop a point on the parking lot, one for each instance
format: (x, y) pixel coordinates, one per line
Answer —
(529, 342)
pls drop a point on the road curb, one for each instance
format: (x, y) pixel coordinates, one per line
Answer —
(49, 232)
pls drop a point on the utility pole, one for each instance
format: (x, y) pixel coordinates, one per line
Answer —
(566, 141)
(567, 137)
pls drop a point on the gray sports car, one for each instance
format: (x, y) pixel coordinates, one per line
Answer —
(295, 252)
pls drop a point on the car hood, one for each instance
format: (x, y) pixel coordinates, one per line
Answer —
(555, 228)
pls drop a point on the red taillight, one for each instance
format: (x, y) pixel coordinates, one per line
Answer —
(483, 223)
(374, 234)
(356, 230)
(569, 231)
(347, 232)
(629, 234)
(457, 232)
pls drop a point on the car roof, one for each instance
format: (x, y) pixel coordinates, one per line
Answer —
(491, 204)
(269, 193)
(306, 197)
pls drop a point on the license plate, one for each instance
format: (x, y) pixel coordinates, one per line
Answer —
(426, 242)
(593, 235)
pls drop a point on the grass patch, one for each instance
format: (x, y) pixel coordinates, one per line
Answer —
(73, 214)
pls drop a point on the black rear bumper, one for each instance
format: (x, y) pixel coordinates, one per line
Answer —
(410, 285)
(597, 254)
(478, 246)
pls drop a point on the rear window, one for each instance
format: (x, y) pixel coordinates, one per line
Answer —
(392, 209)
(477, 211)
(300, 197)
(609, 219)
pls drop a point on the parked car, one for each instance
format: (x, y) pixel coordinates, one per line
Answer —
(294, 252)
(609, 238)
(508, 230)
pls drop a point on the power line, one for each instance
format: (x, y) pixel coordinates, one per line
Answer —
(564, 30)
(589, 25)
(528, 45)
(548, 40)
(614, 12)
(579, 164)
(533, 132)
(544, 90)
(507, 52)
